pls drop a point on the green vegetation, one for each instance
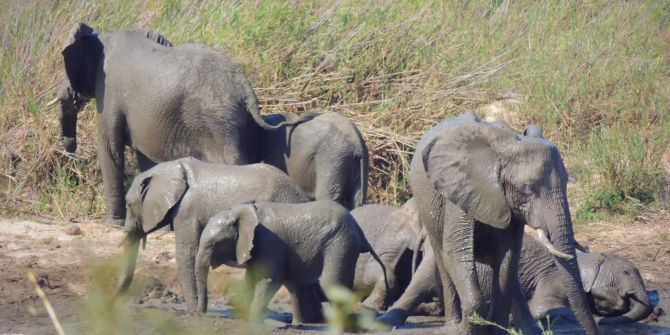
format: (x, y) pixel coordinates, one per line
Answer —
(341, 313)
(594, 74)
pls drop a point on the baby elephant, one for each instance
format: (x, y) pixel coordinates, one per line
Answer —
(393, 233)
(301, 246)
(326, 156)
(614, 285)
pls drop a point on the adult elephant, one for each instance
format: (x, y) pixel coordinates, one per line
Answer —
(164, 102)
(326, 156)
(476, 185)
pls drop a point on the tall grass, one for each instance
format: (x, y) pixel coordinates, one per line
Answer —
(589, 72)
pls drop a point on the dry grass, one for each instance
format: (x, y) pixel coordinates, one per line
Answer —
(578, 69)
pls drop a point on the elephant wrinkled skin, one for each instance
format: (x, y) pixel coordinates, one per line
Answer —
(306, 247)
(476, 186)
(185, 193)
(392, 232)
(165, 102)
(326, 156)
(614, 286)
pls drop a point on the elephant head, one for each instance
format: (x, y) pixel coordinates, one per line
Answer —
(82, 57)
(496, 177)
(615, 287)
(227, 238)
(150, 201)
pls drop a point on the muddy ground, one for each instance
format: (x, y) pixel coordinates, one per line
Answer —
(71, 268)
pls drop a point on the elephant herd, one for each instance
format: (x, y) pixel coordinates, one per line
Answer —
(284, 196)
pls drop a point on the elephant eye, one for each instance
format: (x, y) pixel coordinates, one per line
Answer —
(626, 272)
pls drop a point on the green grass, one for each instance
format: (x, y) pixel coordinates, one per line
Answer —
(594, 74)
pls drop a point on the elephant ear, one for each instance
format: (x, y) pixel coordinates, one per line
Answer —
(463, 166)
(160, 192)
(81, 56)
(408, 216)
(589, 268)
(533, 130)
(247, 221)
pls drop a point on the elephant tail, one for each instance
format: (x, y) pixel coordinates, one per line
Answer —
(251, 103)
(368, 248)
(361, 189)
(417, 249)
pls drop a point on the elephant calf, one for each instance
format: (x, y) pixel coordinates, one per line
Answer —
(393, 233)
(300, 246)
(326, 156)
(185, 193)
(614, 286)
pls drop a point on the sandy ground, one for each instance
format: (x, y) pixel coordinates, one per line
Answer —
(67, 264)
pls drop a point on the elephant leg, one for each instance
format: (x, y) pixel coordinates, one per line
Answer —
(264, 290)
(423, 286)
(187, 237)
(339, 266)
(521, 312)
(331, 183)
(459, 263)
(379, 297)
(306, 304)
(506, 268)
(111, 154)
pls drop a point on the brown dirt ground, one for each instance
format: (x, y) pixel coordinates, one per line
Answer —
(62, 263)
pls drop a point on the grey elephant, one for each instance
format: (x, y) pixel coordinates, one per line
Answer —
(326, 156)
(164, 102)
(301, 246)
(614, 285)
(476, 186)
(392, 232)
(184, 194)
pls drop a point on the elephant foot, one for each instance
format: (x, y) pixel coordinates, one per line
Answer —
(394, 317)
(111, 221)
(373, 303)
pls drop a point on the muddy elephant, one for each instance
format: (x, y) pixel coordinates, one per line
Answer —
(164, 102)
(305, 247)
(326, 155)
(392, 232)
(476, 186)
(614, 285)
(187, 192)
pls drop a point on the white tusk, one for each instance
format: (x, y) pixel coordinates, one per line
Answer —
(547, 244)
(52, 102)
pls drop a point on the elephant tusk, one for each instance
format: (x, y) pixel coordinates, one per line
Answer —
(547, 244)
(52, 102)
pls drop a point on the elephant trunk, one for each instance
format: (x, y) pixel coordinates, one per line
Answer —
(131, 246)
(202, 263)
(561, 235)
(639, 308)
(70, 107)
